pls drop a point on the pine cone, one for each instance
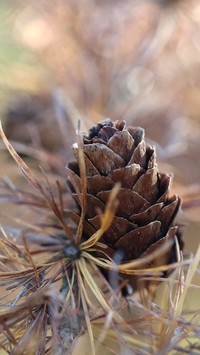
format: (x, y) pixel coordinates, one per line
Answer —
(145, 214)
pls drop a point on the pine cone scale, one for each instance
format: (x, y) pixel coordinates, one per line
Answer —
(122, 144)
(103, 157)
(149, 215)
(146, 186)
(139, 155)
(127, 175)
(130, 202)
(169, 212)
(98, 183)
(142, 236)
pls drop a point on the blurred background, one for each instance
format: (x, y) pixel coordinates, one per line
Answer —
(64, 60)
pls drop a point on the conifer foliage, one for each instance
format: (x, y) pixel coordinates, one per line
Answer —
(60, 276)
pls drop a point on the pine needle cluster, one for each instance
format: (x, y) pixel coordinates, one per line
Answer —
(60, 294)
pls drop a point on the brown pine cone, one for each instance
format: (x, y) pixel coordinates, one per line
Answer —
(145, 215)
